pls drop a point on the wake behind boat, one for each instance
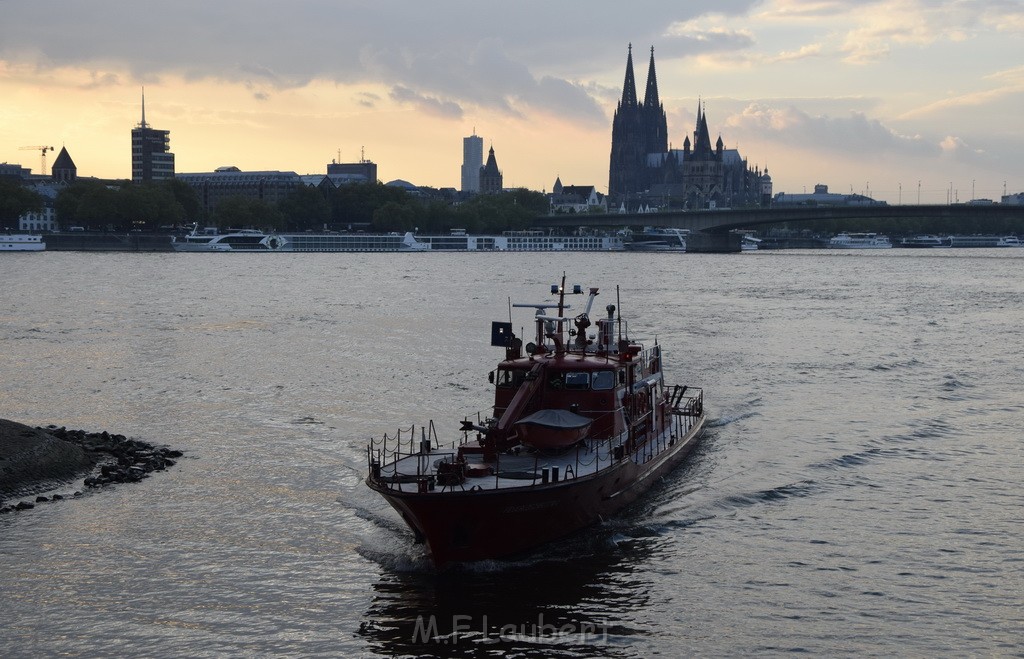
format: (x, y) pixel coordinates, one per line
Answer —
(582, 425)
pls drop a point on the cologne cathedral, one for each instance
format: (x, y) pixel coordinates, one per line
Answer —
(645, 173)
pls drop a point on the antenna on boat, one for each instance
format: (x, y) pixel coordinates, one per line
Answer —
(618, 310)
(561, 296)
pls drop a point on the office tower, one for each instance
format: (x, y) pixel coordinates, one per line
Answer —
(472, 161)
(151, 159)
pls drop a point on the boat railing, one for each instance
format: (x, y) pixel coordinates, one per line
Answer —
(390, 457)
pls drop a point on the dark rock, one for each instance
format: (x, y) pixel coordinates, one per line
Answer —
(24, 505)
(41, 499)
(31, 457)
(34, 460)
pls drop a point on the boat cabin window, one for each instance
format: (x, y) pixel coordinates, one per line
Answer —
(604, 380)
(577, 380)
(509, 379)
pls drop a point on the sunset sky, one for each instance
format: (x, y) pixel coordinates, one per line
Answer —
(864, 96)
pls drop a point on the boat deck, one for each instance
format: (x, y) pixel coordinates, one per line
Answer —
(523, 468)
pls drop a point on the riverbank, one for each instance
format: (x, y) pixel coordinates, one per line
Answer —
(36, 460)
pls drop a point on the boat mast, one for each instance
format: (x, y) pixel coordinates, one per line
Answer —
(561, 309)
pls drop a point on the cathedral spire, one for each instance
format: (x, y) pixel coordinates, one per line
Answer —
(629, 85)
(651, 99)
(701, 136)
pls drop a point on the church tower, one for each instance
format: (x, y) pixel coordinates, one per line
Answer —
(639, 130)
(702, 166)
(627, 139)
(64, 169)
(490, 176)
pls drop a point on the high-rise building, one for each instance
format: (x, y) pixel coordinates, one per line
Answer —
(472, 161)
(151, 159)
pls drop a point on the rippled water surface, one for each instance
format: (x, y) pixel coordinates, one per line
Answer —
(858, 492)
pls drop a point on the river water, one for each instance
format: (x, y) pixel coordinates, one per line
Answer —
(858, 491)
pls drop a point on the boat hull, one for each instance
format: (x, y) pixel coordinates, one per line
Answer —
(499, 523)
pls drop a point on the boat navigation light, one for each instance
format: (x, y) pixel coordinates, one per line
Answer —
(554, 289)
(577, 289)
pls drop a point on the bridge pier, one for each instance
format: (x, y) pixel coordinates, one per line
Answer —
(713, 243)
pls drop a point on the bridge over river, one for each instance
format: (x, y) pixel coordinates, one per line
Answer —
(710, 228)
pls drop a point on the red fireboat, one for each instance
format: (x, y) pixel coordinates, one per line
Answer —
(582, 425)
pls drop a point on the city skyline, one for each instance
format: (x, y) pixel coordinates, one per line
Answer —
(862, 97)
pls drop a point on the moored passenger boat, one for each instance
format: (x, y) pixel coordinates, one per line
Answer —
(21, 242)
(582, 425)
(657, 239)
(509, 241)
(244, 240)
(918, 242)
(859, 241)
(985, 241)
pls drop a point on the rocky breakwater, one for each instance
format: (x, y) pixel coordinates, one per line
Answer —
(36, 460)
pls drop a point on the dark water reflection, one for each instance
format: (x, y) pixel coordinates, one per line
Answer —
(576, 598)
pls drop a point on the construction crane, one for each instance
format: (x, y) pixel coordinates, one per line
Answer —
(42, 152)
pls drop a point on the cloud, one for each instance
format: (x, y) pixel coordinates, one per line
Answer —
(534, 55)
(367, 99)
(869, 32)
(692, 38)
(804, 52)
(790, 10)
(853, 134)
(98, 79)
(427, 104)
(1010, 84)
